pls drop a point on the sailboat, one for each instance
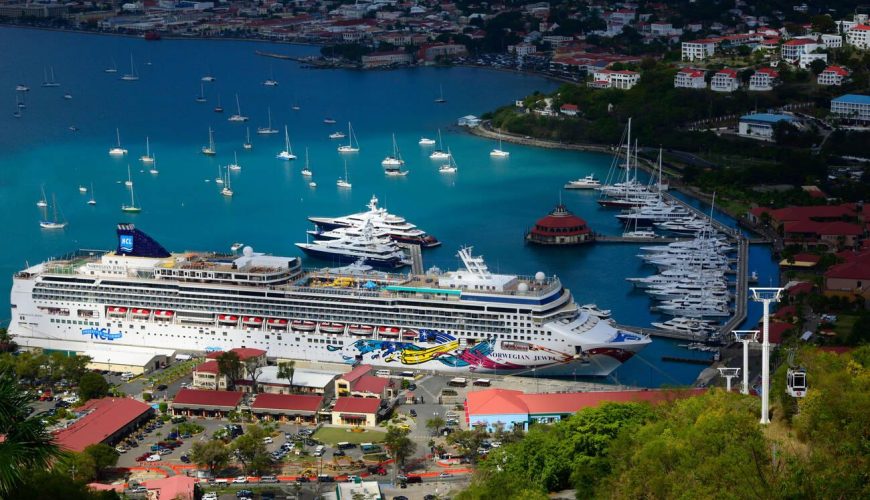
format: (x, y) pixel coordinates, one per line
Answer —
(247, 144)
(210, 149)
(395, 160)
(235, 164)
(227, 190)
(147, 158)
(287, 154)
(208, 78)
(113, 68)
(201, 96)
(344, 183)
(350, 148)
(439, 153)
(131, 208)
(268, 129)
(153, 170)
(449, 167)
(220, 178)
(49, 82)
(132, 76)
(118, 150)
(441, 99)
(54, 223)
(42, 203)
(499, 152)
(17, 112)
(92, 201)
(271, 81)
(129, 181)
(238, 117)
(306, 172)
(219, 108)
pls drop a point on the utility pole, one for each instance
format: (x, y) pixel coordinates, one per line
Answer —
(729, 373)
(745, 337)
(765, 296)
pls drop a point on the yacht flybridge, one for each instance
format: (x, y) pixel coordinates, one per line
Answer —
(381, 220)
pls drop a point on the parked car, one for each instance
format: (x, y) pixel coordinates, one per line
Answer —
(412, 387)
(338, 453)
(184, 459)
(137, 489)
(244, 493)
(413, 412)
(153, 458)
(269, 479)
(267, 440)
(163, 387)
(444, 475)
(241, 480)
(211, 495)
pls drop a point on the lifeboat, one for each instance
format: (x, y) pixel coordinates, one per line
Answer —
(252, 320)
(388, 331)
(277, 323)
(228, 319)
(326, 327)
(303, 326)
(410, 335)
(163, 314)
(117, 311)
(363, 330)
(141, 313)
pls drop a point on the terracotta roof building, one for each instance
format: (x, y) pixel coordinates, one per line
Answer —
(369, 386)
(355, 411)
(173, 487)
(106, 420)
(851, 278)
(504, 409)
(194, 402)
(298, 407)
(559, 227)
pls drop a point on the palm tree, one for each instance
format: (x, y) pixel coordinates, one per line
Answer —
(287, 370)
(26, 445)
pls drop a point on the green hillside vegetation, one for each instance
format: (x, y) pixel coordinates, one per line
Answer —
(710, 446)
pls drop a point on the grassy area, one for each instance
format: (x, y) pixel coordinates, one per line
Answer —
(844, 324)
(333, 435)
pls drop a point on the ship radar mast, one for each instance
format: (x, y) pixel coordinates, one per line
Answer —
(475, 265)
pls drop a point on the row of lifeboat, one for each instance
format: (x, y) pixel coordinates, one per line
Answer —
(279, 323)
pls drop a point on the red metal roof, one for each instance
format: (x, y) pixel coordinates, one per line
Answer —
(174, 487)
(560, 218)
(289, 402)
(196, 397)
(769, 71)
(835, 228)
(356, 373)
(800, 41)
(371, 384)
(837, 69)
(210, 366)
(357, 405)
(694, 73)
(107, 416)
(501, 401)
(802, 287)
(857, 268)
(727, 71)
(243, 352)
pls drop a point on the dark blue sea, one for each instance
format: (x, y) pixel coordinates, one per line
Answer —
(488, 203)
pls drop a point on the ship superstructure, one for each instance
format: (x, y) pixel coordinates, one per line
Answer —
(142, 296)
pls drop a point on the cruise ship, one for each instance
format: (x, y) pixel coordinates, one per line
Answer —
(140, 296)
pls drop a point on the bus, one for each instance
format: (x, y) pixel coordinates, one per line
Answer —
(458, 382)
(482, 382)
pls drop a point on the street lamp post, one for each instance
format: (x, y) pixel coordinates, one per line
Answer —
(745, 337)
(729, 373)
(765, 296)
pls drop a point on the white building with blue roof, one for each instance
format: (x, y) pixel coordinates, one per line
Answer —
(761, 125)
(852, 107)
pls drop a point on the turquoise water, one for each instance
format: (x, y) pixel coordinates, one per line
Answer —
(488, 203)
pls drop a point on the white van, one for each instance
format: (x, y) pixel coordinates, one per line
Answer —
(319, 451)
(383, 373)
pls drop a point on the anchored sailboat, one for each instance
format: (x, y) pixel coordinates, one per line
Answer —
(210, 149)
(349, 147)
(247, 144)
(306, 172)
(395, 160)
(344, 183)
(238, 117)
(287, 154)
(267, 129)
(147, 158)
(439, 153)
(131, 208)
(118, 150)
(55, 223)
(132, 76)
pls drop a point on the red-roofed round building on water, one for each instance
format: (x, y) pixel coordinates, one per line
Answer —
(559, 227)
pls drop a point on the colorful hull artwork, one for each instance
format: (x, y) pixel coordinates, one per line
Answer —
(446, 351)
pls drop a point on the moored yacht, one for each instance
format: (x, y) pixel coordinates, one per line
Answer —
(376, 252)
(588, 182)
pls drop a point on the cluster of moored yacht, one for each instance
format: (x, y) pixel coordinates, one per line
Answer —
(371, 238)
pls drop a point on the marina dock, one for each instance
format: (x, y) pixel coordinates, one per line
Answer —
(620, 239)
(668, 334)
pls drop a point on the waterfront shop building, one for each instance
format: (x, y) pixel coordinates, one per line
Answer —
(387, 58)
(559, 227)
(355, 490)
(106, 420)
(137, 362)
(503, 409)
(761, 125)
(173, 487)
(203, 403)
(853, 107)
(305, 381)
(296, 408)
(851, 278)
(356, 412)
(345, 382)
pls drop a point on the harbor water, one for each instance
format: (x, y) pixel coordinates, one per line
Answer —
(489, 203)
